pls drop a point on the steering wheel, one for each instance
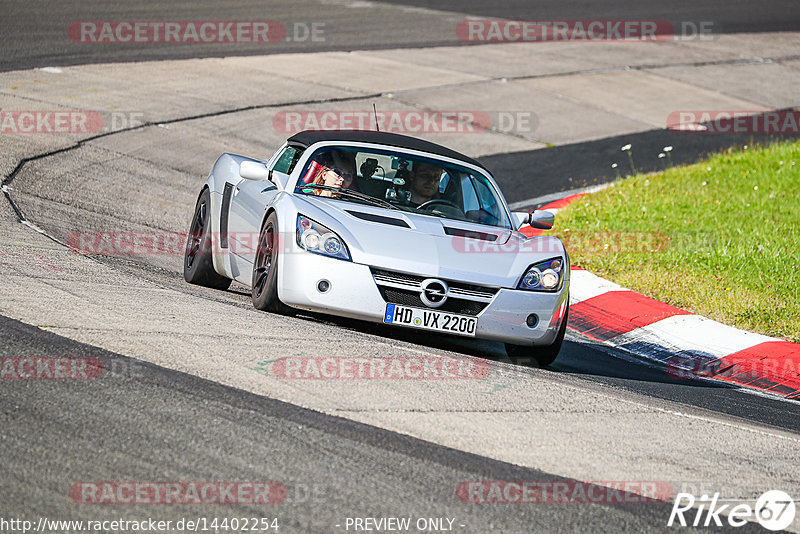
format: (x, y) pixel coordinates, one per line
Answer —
(442, 201)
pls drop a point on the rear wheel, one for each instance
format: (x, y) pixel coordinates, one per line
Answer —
(543, 356)
(264, 292)
(198, 265)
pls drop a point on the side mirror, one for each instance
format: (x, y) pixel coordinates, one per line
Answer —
(253, 170)
(542, 219)
(520, 218)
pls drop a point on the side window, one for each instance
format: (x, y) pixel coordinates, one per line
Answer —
(487, 201)
(287, 160)
(471, 201)
(484, 195)
(445, 181)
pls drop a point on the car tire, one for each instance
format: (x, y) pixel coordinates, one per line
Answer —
(198, 264)
(264, 290)
(543, 356)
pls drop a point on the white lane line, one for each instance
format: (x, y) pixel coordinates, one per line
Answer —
(750, 429)
(708, 419)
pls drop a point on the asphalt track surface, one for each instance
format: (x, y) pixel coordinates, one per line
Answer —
(33, 33)
(145, 422)
(55, 432)
(332, 468)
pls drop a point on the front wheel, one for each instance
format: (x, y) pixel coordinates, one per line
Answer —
(543, 356)
(264, 291)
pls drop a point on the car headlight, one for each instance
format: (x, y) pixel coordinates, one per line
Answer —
(543, 276)
(319, 239)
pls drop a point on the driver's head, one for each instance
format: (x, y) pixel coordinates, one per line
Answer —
(424, 178)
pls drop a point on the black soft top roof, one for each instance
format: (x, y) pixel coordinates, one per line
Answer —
(309, 137)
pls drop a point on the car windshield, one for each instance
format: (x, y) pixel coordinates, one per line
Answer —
(400, 181)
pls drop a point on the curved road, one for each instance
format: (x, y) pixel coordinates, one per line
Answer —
(187, 393)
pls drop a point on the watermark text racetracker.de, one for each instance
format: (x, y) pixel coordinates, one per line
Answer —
(742, 370)
(587, 31)
(301, 367)
(68, 367)
(194, 32)
(549, 492)
(233, 492)
(160, 243)
(406, 121)
(50, 368)
(75, 121)
(735, 121)
(592, 242)
(157, 243)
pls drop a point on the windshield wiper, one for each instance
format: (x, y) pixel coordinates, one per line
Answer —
(351, 194)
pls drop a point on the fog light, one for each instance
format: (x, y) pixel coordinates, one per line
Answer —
(323, 286)
(532, 320)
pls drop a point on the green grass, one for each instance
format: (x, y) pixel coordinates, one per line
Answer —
(719, 238)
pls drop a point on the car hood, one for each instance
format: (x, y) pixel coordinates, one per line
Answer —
(430, 246)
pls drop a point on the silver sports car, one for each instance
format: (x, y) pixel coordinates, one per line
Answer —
(386, 228)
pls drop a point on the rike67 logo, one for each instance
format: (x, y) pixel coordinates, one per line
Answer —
(773, 510)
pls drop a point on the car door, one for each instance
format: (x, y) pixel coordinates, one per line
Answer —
(249, 199)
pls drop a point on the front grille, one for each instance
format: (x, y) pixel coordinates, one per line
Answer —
(452, 305)
(404, 289)
(414, 281)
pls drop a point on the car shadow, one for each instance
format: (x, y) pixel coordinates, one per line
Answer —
(591, 359)
(578, 356)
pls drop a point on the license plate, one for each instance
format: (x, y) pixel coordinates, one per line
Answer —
(451, 323)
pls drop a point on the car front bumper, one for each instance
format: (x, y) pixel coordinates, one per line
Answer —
(354, 293)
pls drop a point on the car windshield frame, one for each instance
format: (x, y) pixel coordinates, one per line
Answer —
(453, 170)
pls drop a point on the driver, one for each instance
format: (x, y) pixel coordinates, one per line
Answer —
(335, 177)
(335, 168)
(424, 182)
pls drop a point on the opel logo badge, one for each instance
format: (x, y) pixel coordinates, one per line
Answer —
(434, 292)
